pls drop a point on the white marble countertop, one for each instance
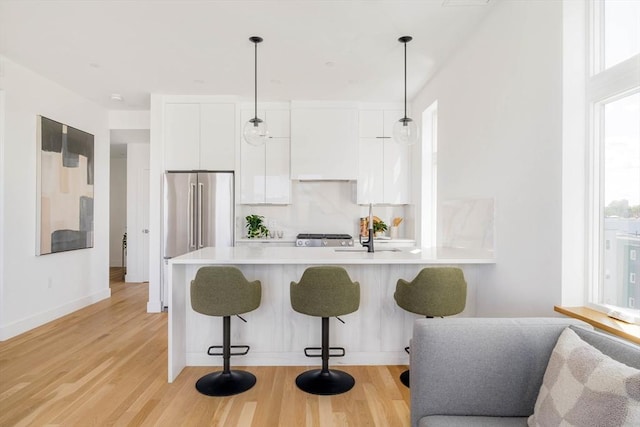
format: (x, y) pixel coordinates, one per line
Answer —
(337, 256)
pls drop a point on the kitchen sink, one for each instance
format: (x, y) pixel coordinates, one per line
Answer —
(365, 250)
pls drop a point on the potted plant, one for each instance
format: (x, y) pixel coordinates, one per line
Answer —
(379, 227)
(256, 227)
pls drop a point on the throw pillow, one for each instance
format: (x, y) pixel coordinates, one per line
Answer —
(583, 387)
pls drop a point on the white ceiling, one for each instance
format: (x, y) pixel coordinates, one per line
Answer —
(312, 49)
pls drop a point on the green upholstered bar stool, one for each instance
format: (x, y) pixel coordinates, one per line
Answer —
(434, 292)
(224, 291)
(325, 291)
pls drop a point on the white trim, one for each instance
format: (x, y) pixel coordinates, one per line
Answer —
(23, 325)
(574, 154)
(2, 184)
(429, 178)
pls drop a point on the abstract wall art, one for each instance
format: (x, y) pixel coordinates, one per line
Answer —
(65, 187)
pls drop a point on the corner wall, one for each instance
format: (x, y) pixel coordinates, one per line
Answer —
(38, 289)
(500, 136)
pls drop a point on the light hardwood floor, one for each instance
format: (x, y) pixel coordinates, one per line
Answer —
(107, 365)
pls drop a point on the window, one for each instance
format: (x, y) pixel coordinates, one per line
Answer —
(614, 130)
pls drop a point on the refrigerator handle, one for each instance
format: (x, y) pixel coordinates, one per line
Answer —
(200, 225)
(190, 219)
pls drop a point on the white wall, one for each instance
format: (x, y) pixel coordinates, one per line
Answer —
(117, 209)
(38, 289)
(500, 136)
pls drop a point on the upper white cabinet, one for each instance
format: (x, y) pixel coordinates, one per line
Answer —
(264, 170)
(324, 141)
(384, 166)
(199, 136)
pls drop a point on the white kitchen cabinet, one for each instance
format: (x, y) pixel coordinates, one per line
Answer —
(264, 170)
(218, 137)
(199, 136)
(324, 141)
(384, 167)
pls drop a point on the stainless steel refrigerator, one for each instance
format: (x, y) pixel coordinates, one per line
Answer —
(198, 211)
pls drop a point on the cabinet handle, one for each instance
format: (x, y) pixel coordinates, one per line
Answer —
(383, 137)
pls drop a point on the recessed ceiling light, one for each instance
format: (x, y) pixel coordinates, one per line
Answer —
(116, 97)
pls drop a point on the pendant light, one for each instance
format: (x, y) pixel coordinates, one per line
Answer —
(405, 129)
(255, 130)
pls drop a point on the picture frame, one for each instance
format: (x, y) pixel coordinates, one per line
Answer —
(65, 187)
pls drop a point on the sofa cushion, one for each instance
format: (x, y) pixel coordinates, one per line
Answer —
(582, 386)
(471, 421)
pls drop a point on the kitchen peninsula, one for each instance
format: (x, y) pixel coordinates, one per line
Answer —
(375, 334)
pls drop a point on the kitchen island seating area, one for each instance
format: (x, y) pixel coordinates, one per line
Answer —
(325, 291)
(375, 334)
(434, 292)
(224, 291)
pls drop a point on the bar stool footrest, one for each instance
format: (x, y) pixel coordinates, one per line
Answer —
(220, 347)
(308, 350)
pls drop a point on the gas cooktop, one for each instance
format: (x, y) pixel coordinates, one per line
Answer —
(319, 240)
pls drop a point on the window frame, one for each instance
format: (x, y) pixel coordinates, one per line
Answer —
(603, 86)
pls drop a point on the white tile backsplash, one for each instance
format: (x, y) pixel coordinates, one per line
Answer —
(467, 223)
(319, 207)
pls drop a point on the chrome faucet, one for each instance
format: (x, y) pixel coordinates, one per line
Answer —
(369, 242)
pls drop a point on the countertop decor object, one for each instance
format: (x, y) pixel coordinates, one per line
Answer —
(256, 227)
(379, 226)
(405, 129)
(255, 130)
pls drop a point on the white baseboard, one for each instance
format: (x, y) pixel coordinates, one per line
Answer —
(154, 307)
(23, 325)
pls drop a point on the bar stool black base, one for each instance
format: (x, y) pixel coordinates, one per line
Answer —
(225, 383)
(404, 378)
(325, 383)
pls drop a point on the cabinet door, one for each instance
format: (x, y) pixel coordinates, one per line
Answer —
(370, 171)
(371, 124)
(181, 136)
(252, 173)
(324, 143)
(391, 117)
(277, 176)
(217, 137)
(397, 167)
(278, 123)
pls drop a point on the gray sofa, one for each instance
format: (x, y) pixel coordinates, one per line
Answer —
(487, 372)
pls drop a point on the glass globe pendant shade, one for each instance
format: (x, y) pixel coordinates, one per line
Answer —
(255, 132)
(405, 131)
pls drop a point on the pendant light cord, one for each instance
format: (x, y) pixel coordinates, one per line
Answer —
(405, 80)
(255, 77)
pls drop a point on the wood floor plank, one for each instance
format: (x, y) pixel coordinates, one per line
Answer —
(107, 365)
